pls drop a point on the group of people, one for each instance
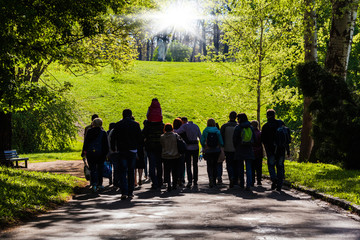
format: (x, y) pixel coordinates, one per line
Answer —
(172, 150)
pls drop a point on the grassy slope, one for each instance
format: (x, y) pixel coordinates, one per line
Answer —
(183, 89)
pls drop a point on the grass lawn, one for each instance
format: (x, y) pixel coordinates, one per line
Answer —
(24, 193)
(324, 178)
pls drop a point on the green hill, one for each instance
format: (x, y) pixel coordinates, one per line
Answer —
(194, 90)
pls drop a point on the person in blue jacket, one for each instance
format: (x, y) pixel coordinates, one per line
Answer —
(243, 138)
(211, 141)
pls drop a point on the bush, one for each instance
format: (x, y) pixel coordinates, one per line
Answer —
(336, 114)
(46, 128)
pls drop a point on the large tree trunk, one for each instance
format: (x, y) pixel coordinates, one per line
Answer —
(310, 40)
(5, 131)
(203, 40)
(342, 28)
(216, 38)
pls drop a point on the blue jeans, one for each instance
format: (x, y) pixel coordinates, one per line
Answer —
(127, 172)
(155, 168)
(241, 171)
(277, 161)
(194, 154)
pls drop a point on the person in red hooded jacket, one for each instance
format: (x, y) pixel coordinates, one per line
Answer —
(154, 113)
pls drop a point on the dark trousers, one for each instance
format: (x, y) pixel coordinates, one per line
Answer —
(231, 167)
(257, 167)
(170, 168)
(194, 155)
(96, 166)
(211, 164)
(155, 168)
(181, 168)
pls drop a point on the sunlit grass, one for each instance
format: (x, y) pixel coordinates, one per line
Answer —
(324, 178)
(25, 193)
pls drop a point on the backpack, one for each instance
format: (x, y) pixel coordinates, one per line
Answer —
(212, 140)
(181, 145)
(95, 147)
(282, 137)
(247, 136)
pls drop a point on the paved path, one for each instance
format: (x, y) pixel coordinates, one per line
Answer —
(200, 213)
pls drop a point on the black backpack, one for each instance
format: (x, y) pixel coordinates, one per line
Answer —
(95, 147)
(282, 136)
(212, 140)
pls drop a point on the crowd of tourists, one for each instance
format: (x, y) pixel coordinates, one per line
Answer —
(169, 153)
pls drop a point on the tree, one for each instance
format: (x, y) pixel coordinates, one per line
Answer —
(310, 49)
(262, 40)
(344, 13)
(36, 33)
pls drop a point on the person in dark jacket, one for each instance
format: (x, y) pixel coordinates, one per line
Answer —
(275, 155)
(258, 153)
(151, 133)
(95, 149)
(243, 150)
(227, 132)
(127, 138)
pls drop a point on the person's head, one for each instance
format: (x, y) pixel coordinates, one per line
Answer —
(168, 127)
(177, 123)
(111, 125)
(255, 124)
(184, 119)
(94, 116)
(97, 122)
(232, 116)
(211, 122)
(241, 117)
(270, 113)
(127, 113)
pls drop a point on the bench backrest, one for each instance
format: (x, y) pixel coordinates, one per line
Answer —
(10, 154)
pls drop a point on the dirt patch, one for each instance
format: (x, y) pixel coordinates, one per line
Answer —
(74, 167)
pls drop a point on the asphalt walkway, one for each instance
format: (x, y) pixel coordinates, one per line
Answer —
(197, 213)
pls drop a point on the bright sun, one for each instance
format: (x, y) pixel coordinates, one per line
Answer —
(180, 16)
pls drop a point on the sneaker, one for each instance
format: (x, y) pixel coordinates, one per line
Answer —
(94, 189)
(219, 181)
(188, 185)
(123, 197)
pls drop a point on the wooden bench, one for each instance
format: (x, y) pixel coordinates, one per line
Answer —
(12, 156)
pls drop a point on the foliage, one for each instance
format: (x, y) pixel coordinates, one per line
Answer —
(325, 178)
(26, 193)
(179, 52)
(263, 40)
(336, 111)
(47, 128)
(36, 33)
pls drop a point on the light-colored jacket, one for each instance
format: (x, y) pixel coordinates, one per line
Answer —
(169, 145)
